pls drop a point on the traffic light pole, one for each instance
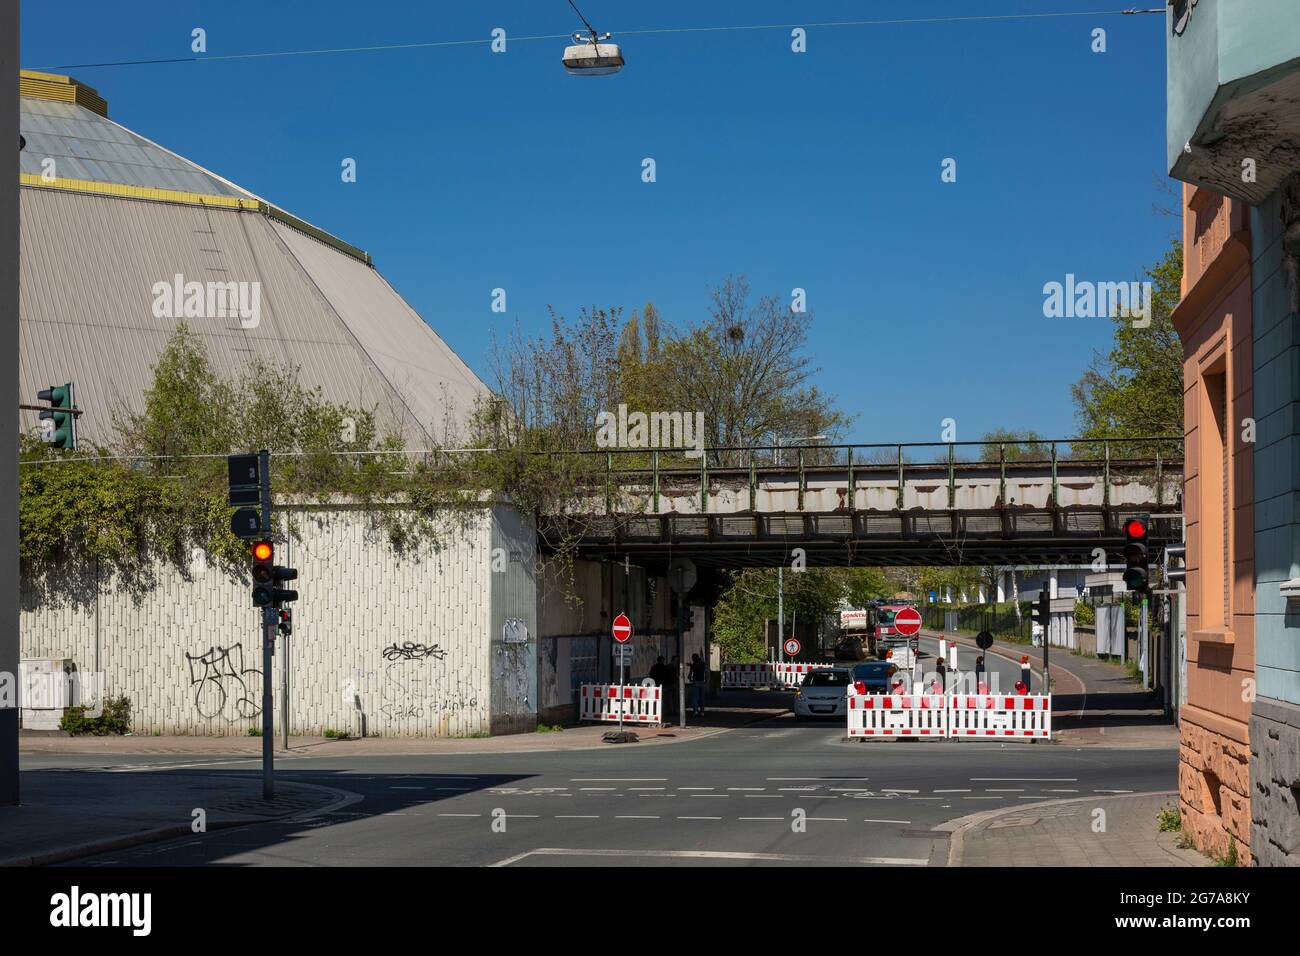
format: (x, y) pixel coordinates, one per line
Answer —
(270, 621)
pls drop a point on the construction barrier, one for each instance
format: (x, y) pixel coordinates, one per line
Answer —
(898, 715)
(770, 674)
(637, 703)
(746, 675)
(1000, 715)
(1017, 716)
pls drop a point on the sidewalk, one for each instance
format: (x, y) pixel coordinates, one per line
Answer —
(1061, 833)
(70, 814)
(725, 712)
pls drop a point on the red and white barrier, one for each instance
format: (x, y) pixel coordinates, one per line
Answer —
(747, 675)
(1000, 715)
(792, 675)
(1018, 717)
(638, 703)
(897, 715)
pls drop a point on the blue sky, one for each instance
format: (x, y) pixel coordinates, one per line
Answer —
(818, 170)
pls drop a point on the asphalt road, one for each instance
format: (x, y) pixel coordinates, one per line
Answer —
(776, 792)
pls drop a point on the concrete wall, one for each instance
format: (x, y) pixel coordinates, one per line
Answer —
(1214, 321)
(1275, 727)
(400, 645)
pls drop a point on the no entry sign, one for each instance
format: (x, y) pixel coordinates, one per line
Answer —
(622, 629)
(792, 647)
(908, 621)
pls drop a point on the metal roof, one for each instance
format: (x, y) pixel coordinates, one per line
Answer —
(85, 145)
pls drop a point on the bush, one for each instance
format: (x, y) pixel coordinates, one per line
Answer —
(114, 719)
(1170, 820)
(1085, 614)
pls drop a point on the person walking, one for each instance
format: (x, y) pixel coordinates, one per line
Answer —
(697, 675)
(659, 672)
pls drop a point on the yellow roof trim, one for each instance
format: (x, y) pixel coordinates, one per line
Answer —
(55, 86)
(137, 192)
(153, 193)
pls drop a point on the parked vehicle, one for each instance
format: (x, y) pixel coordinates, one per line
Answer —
(872, 677)
(823, 693)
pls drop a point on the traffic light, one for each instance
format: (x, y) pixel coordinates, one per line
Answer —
(1136, 572)
(1043, 611)
(267, 576)
(688, 618)
(286, 621)
(63, 433)
(1175, 572)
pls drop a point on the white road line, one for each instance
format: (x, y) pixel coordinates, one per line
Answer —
(699, 796)
(850, 789)
(1004, 789)
(982, 798)
(967, 790)
(764, 796)
(576, 816)
(699, 818)
(889, 790)
(1060, 791)
(760, 818)
(796, 779)
(634, 817)
(829, 819)
(695, 788)
(645, 788)
(888, 821)
(1025, 779)
(526, 816)
(618, 780)
(598, 788)
(713, 855)
(460, 814)
(461, 789)
(746, 788)
(798, 789)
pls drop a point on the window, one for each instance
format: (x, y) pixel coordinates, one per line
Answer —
(1215, 517)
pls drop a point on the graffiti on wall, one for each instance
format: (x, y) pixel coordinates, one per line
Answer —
(222, 685)
(415, 685)
(413, 652)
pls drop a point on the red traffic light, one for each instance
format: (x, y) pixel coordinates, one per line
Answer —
(263, 551)
(1135, 528)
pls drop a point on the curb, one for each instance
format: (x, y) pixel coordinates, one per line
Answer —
(62, 855)
(960, 826)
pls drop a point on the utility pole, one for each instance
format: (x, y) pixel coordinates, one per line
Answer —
(780, 612)
(9, 637)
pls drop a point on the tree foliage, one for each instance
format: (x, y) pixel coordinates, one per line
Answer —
(1136, 389)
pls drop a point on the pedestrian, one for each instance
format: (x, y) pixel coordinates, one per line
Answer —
(659, 672)
(697, 675)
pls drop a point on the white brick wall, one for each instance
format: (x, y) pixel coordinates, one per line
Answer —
(186, 651)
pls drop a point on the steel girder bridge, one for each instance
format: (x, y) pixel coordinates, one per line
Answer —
(953, 503)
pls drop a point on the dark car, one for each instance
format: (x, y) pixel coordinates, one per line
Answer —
(873, 677)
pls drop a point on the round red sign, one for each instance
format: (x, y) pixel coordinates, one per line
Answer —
(792, 647)
(908, 621)
(622, 629)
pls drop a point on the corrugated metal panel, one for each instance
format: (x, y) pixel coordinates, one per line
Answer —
(87, 270)
(67, 132)
(435, 383)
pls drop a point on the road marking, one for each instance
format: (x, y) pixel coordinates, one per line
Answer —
(598, 788)
(697, 796)
(982, 798)
(461, 789)
(770, 779)
(903, 822)
(967, 790)
(850, 790)
(1060, 791)
(829, 819)
(527, 816)
(646, 788)
(1005, 789)
(747, 788)
(695, 788)
(798, 789)
(714, 855)
(618, 780)
(576, 816)
(765, 796)
(1025, 779)
(761, 818)
(699, 818)
(889, 790)
(634, 817)
(460, 814)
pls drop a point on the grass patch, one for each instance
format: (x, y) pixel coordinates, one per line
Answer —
(254, 731)
(1229, 858)
(549, 728)
(333, 734)
(1170, 820)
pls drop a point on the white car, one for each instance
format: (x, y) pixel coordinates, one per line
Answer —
(823, 693)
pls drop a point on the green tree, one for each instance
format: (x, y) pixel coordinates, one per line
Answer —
(1136, 389)
(1018, 445)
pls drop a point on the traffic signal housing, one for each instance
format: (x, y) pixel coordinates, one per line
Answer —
(61, 414)
(267, 577)
(1136, 554)
(1175, 564)
(1042, 614)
